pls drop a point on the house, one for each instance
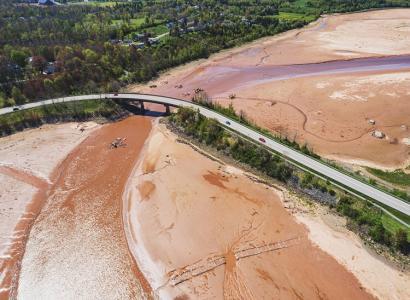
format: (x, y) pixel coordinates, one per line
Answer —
(46, 2)
(139, 37)
(153, 41)
(49, 69)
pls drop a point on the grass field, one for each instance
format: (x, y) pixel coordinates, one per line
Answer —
(133, 22)
(287, 16)
(97, 3)
(396, 177)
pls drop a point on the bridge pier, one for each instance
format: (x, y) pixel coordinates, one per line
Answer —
(142, 107)
(167, 110)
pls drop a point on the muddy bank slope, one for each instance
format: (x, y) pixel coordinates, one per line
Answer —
(205, 230)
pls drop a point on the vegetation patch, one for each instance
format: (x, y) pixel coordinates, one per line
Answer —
(396, 177)
(70, 111)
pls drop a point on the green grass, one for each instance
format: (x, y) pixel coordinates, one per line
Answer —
(97, 3)
(392, 225)
(157, 30)
(395, 177)
(135, 23)
(288, 16)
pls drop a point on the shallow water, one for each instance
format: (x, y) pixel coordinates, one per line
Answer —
(219, 79)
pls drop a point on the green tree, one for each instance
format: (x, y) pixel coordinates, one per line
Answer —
(19, 57)
(18, 96)
(401, 241)
(2, 100)
(90, 56)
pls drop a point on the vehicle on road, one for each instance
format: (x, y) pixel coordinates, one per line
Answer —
(227, 123)
(16, 108)
(262, 140)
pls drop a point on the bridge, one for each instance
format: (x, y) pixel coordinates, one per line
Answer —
(343, 180)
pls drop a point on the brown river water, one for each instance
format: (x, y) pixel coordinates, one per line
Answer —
(218, 79)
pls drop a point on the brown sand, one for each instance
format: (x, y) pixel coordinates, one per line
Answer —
(77, 247)
(207, 231)
(288, 106)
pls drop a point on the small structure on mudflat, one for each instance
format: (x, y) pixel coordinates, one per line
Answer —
(378, 134)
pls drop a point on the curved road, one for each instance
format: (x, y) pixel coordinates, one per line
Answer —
(289, 153)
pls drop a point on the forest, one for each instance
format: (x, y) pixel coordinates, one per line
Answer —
(86, 47)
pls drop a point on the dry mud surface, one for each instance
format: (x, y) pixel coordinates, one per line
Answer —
(329, 112)
(200, 229)
(61, 225)
(29, 162)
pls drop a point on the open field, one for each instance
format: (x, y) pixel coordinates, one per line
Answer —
(330, 113)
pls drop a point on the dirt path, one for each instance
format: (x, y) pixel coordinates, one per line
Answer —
(77, 246)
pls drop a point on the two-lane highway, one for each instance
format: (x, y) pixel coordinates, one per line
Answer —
(289, 153)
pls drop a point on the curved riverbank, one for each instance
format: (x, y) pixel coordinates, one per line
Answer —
(275, 70)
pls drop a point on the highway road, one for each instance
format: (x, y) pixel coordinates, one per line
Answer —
(289, 153)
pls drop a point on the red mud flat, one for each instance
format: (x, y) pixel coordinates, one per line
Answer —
(202, 230)
(10, 265)
(77, 248)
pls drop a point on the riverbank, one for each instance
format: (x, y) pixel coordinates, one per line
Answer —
(320, 113)
(196, 225)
